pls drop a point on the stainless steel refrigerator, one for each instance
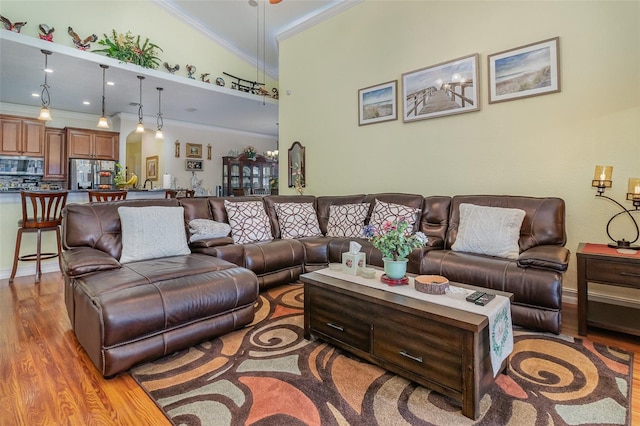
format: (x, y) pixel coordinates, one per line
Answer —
(91, 174)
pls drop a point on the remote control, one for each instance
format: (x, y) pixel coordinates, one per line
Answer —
(474, 296)
(484, 299)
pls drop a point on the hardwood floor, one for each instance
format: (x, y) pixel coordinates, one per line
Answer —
(46, 378)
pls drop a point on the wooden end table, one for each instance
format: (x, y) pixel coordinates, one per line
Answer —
(602, 265)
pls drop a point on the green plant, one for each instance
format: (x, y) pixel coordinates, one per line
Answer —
(127, 48)
(120, 177)
(273, 183)
(298, 179)
(250, 151)
(395, 239)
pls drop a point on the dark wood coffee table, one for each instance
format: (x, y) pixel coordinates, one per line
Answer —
(439, 347)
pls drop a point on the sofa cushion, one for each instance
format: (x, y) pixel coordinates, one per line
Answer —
(493, 231)
(389, 212)
(141, 236)
(202, 229)
(297, 220)
(347, 220)
(249, 221)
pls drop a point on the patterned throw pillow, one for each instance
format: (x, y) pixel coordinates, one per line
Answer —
(383, 212)
(249, 221)
(141, 239)
(347, 220)
(493, 231)
(297, 220)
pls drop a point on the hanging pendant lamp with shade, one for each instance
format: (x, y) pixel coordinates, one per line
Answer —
(103, 123)
(140, 126)
(45, 98)
(159, 120)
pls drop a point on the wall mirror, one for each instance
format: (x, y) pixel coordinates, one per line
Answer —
(296, 162)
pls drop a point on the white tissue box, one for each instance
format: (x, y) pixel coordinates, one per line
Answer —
(351, 262)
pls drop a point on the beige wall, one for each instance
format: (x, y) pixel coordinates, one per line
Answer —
(541, 146)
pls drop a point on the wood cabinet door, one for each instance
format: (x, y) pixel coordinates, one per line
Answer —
(105, 146)
(33, 138)
(10, 135)
(55, 158)
(79, 143)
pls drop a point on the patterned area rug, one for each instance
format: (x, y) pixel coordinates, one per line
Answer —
(268, 374)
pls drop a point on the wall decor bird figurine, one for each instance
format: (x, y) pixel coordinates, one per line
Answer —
(47, 33)
(15, 27)
(170, 68)
(79, 43)
(204, 78)
(191, 70)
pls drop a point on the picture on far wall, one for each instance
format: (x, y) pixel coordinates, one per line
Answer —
(378, 103)
(152, 167)
(530, 70)
(443, 89)
(193, 165)
(194, 150)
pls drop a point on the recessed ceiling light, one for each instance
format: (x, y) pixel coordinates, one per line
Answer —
(110, 83)
(86, 103)
(191, 110)
(35, 95)
(49, 70)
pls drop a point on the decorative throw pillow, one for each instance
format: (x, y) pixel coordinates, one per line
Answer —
(347, 220)
(389, 212)
(202, 229)
(141, 236)
(249, 221)
(297, 220)
(493, 231)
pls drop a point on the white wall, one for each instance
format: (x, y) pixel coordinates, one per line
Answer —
(540, 146)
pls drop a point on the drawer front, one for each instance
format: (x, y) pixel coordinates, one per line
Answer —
(624, 274)
(340, 317)
(407, 348)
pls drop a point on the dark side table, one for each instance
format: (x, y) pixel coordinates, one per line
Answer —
(600, 264)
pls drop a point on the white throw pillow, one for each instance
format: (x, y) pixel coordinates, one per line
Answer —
(202, 229)
(152, 232)
(347, 220)
(390, 212)
(249, 221)
(297, 220)
(493, 231)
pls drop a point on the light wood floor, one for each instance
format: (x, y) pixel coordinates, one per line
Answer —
(46, 378)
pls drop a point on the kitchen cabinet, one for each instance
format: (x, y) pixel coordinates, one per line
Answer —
(21, 136)
(55, 154)
(92, 144)
(249, 174)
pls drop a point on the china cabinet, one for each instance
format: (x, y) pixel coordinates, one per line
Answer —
(251, 175)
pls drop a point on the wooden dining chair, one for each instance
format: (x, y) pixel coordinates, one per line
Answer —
(100, 196)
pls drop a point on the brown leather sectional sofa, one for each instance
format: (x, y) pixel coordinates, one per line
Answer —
(535, 278)
(131, 313)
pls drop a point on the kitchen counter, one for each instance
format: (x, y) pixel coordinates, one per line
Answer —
(81, 196)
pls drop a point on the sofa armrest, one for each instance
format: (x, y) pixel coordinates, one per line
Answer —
(435, 242)
(85, 260)
(211, 242)
(546, 257)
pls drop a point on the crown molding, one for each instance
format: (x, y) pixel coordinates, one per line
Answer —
(170, 7)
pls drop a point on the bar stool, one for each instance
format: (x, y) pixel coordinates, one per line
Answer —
(41, 211)
(100, 196)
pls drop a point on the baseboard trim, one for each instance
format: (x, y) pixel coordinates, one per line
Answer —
(570, 296)
(30, 269)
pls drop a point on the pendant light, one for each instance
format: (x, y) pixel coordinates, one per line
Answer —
(159, 134)
(140, 126)
(45, 114)
(102, 122)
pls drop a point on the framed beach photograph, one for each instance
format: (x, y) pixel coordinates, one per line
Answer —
(152, 167)
(443, 89)
(530, 70)
(378, 103)
(194, 165)
(194, 150)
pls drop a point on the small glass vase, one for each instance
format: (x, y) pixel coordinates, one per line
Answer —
(395, 269)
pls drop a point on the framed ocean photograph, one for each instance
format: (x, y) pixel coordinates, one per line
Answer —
(378, 103)
(525, 71)
(442, 89)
